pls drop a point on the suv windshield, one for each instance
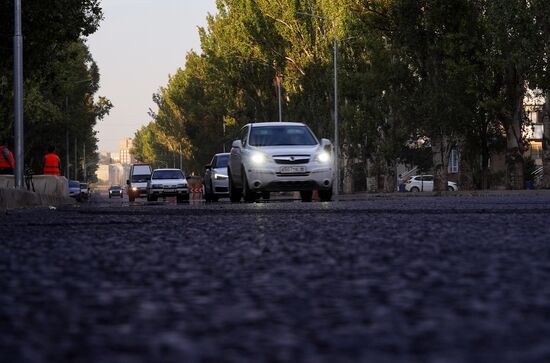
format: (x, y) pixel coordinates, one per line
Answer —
(167, 174)
(74, 184)
(222, 161)
(281, 135)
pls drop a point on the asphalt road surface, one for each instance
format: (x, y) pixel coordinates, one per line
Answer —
(446, 279)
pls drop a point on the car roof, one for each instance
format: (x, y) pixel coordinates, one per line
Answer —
(167, 169)
(262, 124)
(222, 154)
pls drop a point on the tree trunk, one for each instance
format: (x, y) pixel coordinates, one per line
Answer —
(465, 172)
(514, 149)
(347, 182)
(545, 182)
(440, 155)
(390, 174)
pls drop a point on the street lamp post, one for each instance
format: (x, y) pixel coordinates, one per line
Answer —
(18, 98)
(336, 138)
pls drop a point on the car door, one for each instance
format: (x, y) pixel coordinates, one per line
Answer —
(428, 181)
(235, 160)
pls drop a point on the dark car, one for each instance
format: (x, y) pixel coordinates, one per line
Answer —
(115, 191)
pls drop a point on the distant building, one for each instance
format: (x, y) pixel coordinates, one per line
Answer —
(102, 173)
(126, 158)
(115, 158)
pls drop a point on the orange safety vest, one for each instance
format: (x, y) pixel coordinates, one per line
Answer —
(8, 164)
(51, 165)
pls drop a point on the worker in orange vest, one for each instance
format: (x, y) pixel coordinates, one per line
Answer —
(52, 163)
(7, 163)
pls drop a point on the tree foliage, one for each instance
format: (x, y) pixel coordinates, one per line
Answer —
(451, 71)
(61, 78)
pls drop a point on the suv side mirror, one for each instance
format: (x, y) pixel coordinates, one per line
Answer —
(128, 182)
(326, 144)
(237, 144)
(208, 167)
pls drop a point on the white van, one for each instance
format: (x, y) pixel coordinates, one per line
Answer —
(137, 184)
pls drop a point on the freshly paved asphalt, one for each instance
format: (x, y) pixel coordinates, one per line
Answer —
(428, 279)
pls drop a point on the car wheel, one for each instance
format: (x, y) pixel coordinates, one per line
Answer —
(450, 189)
(306, 195)
(109, 197)
(234, 192)
(415, 189)
(266, 195)
(131, 197)
(181, 199)
(248, 195)
(325, 195)
(151, 198)
(215, 198)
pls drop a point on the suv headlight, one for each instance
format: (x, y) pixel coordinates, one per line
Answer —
(219, 176)
(258, 158)
(323, 157)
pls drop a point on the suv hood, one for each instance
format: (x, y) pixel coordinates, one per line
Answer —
(289, 149)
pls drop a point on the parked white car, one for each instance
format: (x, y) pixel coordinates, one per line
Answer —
(425, 183)
(279, 156)
(167, 183)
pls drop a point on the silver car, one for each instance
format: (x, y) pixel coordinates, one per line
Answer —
(215, 178)
(167, 183)
(279, 156)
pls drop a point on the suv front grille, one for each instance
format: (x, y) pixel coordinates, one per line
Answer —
(291, 159)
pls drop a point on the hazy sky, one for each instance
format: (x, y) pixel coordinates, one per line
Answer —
(138, 45)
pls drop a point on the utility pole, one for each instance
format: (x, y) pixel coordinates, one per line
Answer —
(181, 160)
(336, 138)
(18, 98)
(75, 159)
(84, 162)
(278, 81)
(67, 160)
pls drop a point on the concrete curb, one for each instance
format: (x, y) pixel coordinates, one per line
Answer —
(469, 193)
(15, 198)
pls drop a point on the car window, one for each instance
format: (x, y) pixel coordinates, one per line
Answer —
(222, 161)
(74, 184)
(213, 162)
(244, 135)
(428, 178)
(140, 178)
(141, 169)
(115, 188)
(167, 174)
(281, 135)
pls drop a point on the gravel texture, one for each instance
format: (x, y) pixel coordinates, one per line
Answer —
(438, 280)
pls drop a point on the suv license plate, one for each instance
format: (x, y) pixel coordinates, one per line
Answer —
(293, 169)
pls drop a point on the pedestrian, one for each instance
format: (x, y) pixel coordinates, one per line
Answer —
(7, 163)
(400, 183)
(52, 163)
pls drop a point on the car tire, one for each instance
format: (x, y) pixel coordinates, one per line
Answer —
(131, 198)
(151, 198)
(450, 189)
(306, 195)
(109, 197)
(181, 199)
(266, 195)
(234, 193)
(415, 190)
(248, 195)
(325, 195)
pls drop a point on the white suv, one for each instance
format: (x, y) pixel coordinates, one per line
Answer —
(279, 156)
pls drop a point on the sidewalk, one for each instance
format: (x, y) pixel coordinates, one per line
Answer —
(465, 193)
